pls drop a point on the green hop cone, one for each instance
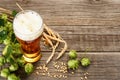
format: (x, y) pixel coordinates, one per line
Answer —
(6, 41)
(13, 77)
(21, 62)
(29, 68)
(4, 16)
(85, 62)
(5, 72)
(73, 64)
(73, 54)
(13, 67)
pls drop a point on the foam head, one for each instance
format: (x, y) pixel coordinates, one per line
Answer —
(28, 25)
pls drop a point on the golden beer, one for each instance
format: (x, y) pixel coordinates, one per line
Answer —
(28, 28)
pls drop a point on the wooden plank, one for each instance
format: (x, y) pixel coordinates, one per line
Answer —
(73, 12)
(104, 66)
(94, 38)
(91, 24)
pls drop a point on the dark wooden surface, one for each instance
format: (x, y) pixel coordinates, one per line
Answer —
(84, 24)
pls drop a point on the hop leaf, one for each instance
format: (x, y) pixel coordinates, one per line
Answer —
(1, 22)
(14, 12)
(7, 51)
(2, 60)
(3, 35)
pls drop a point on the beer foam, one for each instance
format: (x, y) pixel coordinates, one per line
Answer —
(28, 25)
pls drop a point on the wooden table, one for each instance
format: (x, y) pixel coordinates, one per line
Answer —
(84, 24)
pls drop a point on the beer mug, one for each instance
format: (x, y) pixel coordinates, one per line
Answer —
(28, 28)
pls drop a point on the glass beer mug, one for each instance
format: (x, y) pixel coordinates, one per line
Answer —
(28, 28)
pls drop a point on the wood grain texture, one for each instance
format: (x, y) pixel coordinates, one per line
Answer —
(103, 67)
(84, 24)
(90, 24)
